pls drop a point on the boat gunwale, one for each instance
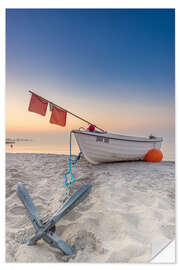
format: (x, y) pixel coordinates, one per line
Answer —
(134, 139)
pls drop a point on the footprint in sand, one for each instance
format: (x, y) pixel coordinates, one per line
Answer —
(85, 240)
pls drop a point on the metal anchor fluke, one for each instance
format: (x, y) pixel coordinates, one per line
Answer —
(47, 231)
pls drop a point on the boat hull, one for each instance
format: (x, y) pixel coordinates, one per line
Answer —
(100, 148)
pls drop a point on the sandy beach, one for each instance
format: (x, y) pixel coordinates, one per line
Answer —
(131, 205)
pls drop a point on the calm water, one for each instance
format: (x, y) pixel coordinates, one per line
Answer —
(54, 144)
(51, 144)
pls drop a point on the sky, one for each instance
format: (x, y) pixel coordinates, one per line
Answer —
(114, 67)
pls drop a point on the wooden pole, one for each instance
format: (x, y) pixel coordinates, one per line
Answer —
(67, 111)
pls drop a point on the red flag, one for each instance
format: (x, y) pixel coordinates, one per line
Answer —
(58, 117)
(38, 105)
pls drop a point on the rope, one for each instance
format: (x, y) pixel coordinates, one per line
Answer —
(67, 182)
(72, 180)
(67, 194)
(77, 158)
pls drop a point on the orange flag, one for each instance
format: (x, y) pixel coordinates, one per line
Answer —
(38, 105)
(58, 117)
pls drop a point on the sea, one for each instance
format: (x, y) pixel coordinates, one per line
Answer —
(53, 144)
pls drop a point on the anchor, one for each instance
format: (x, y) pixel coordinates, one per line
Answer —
(46, 231)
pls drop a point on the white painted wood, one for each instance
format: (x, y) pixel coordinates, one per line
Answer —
(113, 147)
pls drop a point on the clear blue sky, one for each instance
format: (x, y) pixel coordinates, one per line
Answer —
(117, 62)
(94, 47)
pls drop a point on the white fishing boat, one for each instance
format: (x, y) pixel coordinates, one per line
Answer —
(99, 147)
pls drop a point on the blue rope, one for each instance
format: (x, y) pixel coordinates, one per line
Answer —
(77, 158)
(70, 162)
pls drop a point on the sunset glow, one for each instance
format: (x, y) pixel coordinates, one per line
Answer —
(114, 68)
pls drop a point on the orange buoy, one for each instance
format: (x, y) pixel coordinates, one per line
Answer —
(154, 155)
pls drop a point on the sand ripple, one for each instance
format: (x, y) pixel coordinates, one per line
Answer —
(131, 205)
